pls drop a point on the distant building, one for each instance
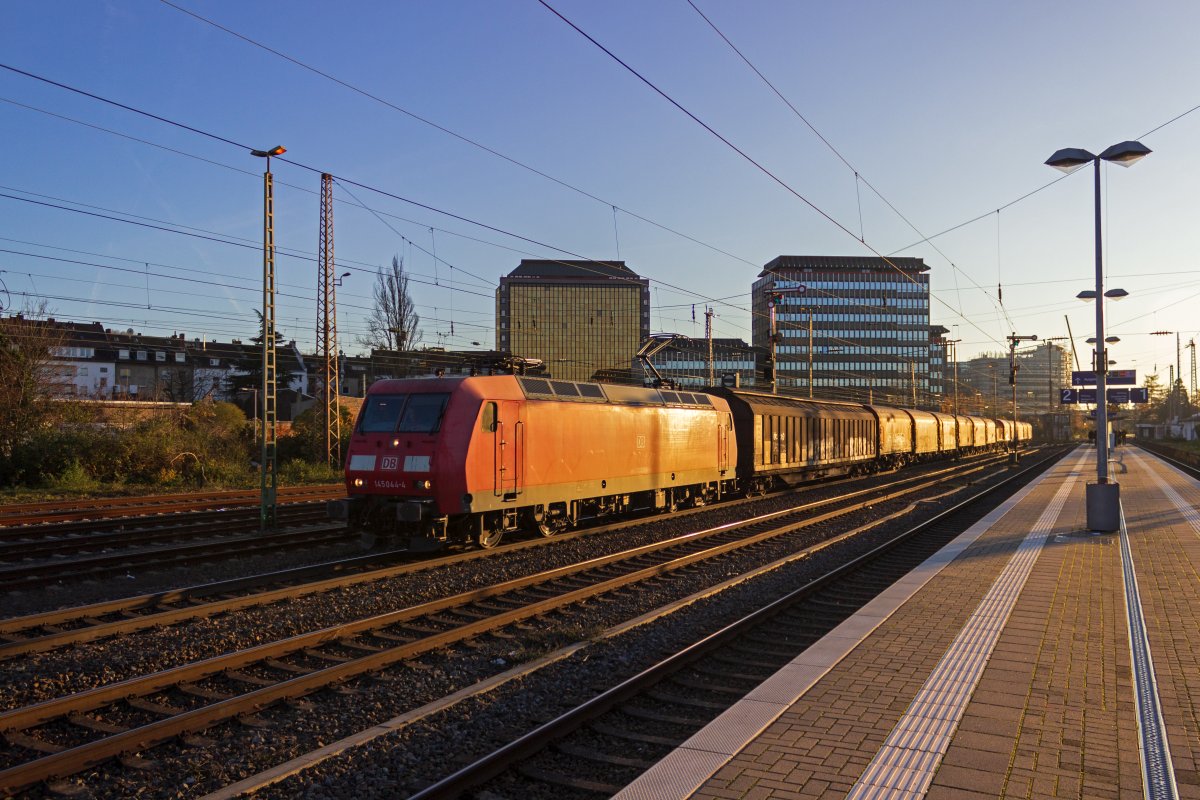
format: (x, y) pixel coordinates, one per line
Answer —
(686, 363)
(869, 322)
(1042, 372)
(578, 317)
(940, 379)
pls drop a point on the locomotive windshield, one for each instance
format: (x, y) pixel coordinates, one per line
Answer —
(423, 413)
(381, 413)
(403, 413)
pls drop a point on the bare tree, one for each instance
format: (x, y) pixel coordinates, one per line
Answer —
(28, 380)
(393, 322)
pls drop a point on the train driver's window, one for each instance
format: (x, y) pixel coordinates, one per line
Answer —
(489, 418)
(423, 413)
(381, 413)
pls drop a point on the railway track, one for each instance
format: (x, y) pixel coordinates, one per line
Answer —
(42, 632)
(64, 735)
(16, 514)
(599, 746)
(33, 561)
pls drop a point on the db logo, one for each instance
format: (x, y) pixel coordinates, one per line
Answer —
(391, 462)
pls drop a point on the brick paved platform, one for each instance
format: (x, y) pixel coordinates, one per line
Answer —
(1008, 665)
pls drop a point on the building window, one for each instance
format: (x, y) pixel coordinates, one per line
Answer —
(160, 356)
(142, 355)
(122, 354)
(179, 358)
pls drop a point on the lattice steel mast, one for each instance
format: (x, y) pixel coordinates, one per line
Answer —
(327, 348)
(269, 482)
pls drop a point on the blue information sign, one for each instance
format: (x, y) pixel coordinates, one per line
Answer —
(1138, 394)
(1116, 377)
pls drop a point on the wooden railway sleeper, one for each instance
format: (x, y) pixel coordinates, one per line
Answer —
(151, 707)
(245, 677)
(604, 729)
(359, 647)
(199, 691)
(657, 716)
(92, 724)
(705, 686)
(555, 779)
(588, 754)
(686, 702)
(329, 658)
(283, 666)
(21, 739)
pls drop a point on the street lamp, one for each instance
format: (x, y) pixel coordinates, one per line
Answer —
(1103, 498)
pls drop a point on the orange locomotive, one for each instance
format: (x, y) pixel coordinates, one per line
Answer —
(459, 460)
(467, 459)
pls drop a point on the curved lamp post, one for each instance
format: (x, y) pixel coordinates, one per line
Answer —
(1103, 497)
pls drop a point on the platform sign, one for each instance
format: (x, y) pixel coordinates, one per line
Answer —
(1116, 377)
(1137, 394)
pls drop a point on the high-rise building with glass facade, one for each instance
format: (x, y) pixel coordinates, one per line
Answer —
(859, 326)
(579, 317)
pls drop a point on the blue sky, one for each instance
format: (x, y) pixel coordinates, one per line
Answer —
(947, 109)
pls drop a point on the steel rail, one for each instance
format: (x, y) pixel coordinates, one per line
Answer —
(150, 530)
(98, 630)
(493, 764)
(28, 575)
(15, 514)
(85, 756)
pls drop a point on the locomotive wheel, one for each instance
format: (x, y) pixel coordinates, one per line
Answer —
(543, 523)
(490, 537)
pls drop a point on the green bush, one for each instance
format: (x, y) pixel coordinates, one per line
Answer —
(302, 472)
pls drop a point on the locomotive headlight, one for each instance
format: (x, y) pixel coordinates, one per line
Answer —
(424, 484)
(395, 442)
(359, 483)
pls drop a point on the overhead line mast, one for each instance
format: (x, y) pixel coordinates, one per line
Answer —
(327, 349)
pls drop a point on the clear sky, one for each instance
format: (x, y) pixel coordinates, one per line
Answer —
(945, 110)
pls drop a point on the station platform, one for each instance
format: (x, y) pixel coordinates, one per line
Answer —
(1029, 658)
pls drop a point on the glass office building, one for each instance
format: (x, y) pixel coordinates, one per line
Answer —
(869, 323)
(579, 317)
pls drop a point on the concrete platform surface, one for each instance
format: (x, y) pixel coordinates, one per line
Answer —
(1030, 658)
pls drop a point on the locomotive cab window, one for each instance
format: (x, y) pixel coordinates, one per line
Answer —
(423, 413)
(488, 418)
(381, 413)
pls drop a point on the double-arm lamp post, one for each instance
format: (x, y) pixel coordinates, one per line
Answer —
(1103, 497)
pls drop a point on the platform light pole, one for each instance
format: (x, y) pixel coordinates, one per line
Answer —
(269, 479)
(1103, 497)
